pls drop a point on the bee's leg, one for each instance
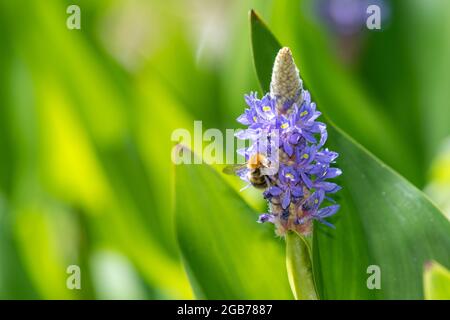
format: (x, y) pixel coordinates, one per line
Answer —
(267, 181)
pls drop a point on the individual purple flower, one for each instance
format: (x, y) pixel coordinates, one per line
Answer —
(304, 119)
(293, 141)
(266, 109)
(266, 217)
(322, 173)
(289, 182)
(326, 156)
(326, 212)
(249, 118)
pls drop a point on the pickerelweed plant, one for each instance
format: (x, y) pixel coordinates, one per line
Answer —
(283, 131)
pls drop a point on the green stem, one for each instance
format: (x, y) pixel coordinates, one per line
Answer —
(299, 267)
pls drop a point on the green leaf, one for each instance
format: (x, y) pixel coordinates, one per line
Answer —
(436, 282)
(384, 221)
(266, 46)
(226, 253)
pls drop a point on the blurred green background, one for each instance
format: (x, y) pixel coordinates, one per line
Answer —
(86, 118)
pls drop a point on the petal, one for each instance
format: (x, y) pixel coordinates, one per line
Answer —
(316, 169)
(242, 134)
(294, 138)
(317, 127)
(286, 199)
(328, 187)
(274, 191)
(287, 104)
(252, 134)
(332, 173)
(306, 180)
(327, 211)
(326, 223)
(265, 217)
(242, 152)
(306, 97)
(323, 138)
(308, 136)
(297, 192)
(315, 200)
(243, 118)
(288, 148)
(326, 156)
(314, 114)
(251, 99)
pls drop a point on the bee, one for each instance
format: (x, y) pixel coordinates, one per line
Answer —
(255, 164)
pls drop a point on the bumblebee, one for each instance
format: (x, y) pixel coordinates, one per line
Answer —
(255, 164)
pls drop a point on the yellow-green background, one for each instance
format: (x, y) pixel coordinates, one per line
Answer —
(86, 117)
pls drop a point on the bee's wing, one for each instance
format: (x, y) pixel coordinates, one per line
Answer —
(269, 171)
(233, 169)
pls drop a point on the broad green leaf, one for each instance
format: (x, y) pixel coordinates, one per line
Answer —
(260, 34)
(436, 282)
(384, 222)
(226, 253)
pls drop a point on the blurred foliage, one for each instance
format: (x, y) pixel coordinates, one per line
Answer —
(86, 118)
(227, 255)
(436, 282)
(439, 179)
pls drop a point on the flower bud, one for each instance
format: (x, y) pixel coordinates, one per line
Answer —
(286, 85)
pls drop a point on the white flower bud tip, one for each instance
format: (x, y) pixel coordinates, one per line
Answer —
(286, 84)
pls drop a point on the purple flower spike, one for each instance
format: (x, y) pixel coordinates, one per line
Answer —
(282, 126)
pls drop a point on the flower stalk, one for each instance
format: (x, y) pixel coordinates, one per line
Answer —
(299, 267)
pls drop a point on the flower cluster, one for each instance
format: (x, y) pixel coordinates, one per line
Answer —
(285, 131)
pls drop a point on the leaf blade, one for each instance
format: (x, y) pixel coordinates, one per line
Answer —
(397, 226)
(271, 45)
